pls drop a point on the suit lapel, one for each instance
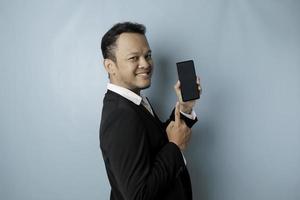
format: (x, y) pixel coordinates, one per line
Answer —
(154, 118)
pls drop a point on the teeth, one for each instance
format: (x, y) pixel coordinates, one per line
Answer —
(144, 74)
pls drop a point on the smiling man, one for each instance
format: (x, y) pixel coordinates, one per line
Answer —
(142, 155)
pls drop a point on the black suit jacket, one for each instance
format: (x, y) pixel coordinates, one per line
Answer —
(140, 161)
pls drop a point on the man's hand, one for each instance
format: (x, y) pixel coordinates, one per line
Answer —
(187, 106)
(178, 132)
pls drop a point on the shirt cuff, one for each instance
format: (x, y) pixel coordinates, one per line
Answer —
(190, 116)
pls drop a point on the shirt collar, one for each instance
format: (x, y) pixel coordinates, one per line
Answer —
(124, 92)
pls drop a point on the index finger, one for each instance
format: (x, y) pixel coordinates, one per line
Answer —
(177, 113)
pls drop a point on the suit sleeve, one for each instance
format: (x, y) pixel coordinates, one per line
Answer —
(189, 122)
(124, 142)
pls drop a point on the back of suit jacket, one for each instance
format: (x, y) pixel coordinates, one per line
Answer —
(140, 161)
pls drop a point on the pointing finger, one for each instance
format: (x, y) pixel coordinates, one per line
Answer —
(177, 113)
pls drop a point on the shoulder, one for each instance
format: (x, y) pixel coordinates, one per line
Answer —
(116, 106)
(118, 111)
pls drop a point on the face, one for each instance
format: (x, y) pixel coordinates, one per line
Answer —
(133, 66)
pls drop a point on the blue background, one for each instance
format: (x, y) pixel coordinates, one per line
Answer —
(246, 145)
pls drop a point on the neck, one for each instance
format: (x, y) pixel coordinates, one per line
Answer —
(136, 91)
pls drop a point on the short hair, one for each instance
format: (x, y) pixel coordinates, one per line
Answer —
(108, 42)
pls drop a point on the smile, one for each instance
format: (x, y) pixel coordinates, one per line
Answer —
(144, 74)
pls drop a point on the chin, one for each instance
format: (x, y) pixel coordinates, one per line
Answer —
(145, 86)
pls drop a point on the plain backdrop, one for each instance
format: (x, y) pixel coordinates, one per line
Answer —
(246, 145)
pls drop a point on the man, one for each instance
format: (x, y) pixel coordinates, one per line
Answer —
(143, 156)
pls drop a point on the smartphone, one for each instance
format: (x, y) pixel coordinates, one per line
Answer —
(188, 80)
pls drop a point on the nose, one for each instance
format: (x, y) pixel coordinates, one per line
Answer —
(144, 63)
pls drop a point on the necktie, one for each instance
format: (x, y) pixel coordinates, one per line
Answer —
(146, 104)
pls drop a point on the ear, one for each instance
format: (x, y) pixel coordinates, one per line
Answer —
(110, 66)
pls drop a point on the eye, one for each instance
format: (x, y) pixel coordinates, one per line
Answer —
(133, 58)
(148, 56)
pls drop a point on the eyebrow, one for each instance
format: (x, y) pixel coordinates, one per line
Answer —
(136, 53)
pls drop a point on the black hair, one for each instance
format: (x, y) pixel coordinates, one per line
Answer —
(109, 39)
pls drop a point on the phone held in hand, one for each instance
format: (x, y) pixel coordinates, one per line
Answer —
(188, 80)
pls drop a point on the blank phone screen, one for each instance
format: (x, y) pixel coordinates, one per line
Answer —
(188, 80)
